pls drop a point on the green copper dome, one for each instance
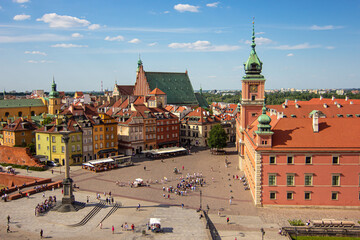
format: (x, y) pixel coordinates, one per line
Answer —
(263, 118)
(53, 93)
(253, 65)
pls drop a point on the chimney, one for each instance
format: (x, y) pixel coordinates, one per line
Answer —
(321, 97)
(333, 98)
(295, 100)
(346, 98)
(286, 102)
(325, 105)
(315, 123)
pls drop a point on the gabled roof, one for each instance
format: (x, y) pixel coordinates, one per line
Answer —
(200, 115)
(157, 91)
(177, 87)
(125, 89)
(20, 124)
(14, 103)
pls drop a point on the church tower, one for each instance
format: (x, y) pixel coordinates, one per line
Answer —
(54, 100)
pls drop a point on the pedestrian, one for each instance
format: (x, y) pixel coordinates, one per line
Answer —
(87, 199)
(182, 205)
(41, 233)
(230, 201)
(144, 168)
(100, 225)
(27, 169)
(112, 200)
(132, 227)
(8, 218)
(52, 171)
(183, 168)
(138, 207)
(8, 228)
(168, 196)
(227, 220)
(112, 229)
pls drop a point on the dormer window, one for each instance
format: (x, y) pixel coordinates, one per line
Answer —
(254, 66)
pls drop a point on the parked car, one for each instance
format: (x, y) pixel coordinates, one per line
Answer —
(51, 164)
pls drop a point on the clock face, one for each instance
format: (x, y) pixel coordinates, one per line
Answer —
(253, 88)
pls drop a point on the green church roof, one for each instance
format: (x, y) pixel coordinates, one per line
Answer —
(14, 103)
(201, 100)
(53, 93)
(177, 87)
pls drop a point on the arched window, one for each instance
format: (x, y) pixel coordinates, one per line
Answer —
(32, 113)
(20, 114)
(7, 114)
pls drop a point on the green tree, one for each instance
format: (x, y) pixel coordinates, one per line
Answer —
(217, 138)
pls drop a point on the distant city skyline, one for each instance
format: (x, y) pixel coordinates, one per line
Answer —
(302, 44)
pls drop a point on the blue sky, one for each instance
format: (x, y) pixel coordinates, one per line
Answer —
(302, 44)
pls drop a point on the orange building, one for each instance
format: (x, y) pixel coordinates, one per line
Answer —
(19, 133)
(301, 153)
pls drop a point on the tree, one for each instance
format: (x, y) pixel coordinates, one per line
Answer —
(217, 138)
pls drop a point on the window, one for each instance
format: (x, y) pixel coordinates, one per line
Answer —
(253, 114)
(335, 180)
(308, 160)
(73, 148)
(78, 137)
(39, 146)
(112, 144)
(78, 148)
(96, 137)
(272, 160)
(54, 148)
(101, 145)
(100, 128)
(62, 149)
(290, 160)
(334, 195)
(48, 148)
(272, 179)
(96, 129)
(101, 137)
(107, 144)
(96, 146)
(252, 97)
(290, 195)
(272, 195)
(308, 179)
(264, 142)
(23, 134)
(290, 179)
(335, 160)
(38, 137)
(53, 139)
(73, 138)
(307, 195)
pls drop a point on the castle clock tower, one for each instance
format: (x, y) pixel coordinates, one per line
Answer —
(253, 93)
(253, 88)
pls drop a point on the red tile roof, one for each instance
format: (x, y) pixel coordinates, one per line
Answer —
(157, 91)
(20, 124)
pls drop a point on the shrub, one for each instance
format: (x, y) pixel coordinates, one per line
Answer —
(23, 167)
(296, 222)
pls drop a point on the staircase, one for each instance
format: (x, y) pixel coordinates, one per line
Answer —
(91, 214)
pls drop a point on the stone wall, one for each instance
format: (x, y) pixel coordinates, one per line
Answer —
(18, 155)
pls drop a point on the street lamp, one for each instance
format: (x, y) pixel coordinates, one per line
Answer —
(262, 233)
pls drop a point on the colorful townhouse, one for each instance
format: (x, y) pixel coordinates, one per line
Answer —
(19, 133)
(49, 142)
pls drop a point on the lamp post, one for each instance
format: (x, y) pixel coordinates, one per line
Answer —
(262, 233)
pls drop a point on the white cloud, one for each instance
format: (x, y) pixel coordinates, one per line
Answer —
(152, 44)
(68, 45)
(203, 46)
(33, 38)
(135, 40)
(330, 47)
(94, 26)
(260, 41)
(259, 33)
(166, 12)
(0, 7)
(41, 61)
(76, 35)
(63, 21)
(186, 8)
(215, 4)
(21, 17)
(211, 76)
(290, 55)
(117, 38)
(21, 1)
(35, 52)
(327, 27)
(297, 47)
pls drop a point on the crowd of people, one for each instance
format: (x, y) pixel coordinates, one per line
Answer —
(189, 182)
(45, 206)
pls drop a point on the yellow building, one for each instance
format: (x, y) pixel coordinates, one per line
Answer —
(19, 133)
(49, 142)
(14, 108)
(104, 136)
